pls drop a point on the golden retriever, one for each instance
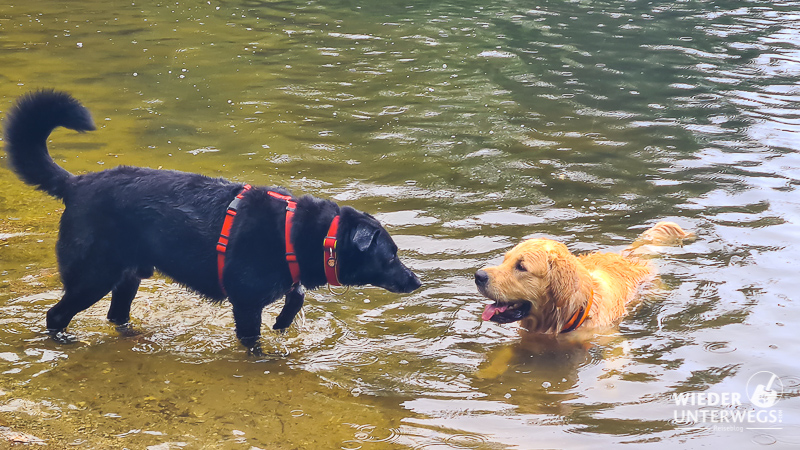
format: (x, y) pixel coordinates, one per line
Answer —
(550, 290)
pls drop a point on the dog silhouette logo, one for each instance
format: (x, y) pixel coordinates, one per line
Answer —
(764, 389)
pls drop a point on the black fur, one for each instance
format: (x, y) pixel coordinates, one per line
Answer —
(121, 224)
(33, 118)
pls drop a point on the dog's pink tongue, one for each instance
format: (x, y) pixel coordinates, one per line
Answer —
(491, 310)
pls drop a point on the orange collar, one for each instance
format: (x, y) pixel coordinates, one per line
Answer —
(579, 317)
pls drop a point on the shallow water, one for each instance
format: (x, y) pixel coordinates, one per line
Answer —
(464, 127)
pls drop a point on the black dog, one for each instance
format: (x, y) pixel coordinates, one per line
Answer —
(121, 224)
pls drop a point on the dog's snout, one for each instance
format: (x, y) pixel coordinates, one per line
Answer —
(406, 283)
(481, 278)
(414, 284)
(411, 283)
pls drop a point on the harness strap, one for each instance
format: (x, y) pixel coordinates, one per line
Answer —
(224, 235)
(330, 255)
(579, 317)
(291, 256)
(329, 243)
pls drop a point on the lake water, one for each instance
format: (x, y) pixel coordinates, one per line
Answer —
(465, 127)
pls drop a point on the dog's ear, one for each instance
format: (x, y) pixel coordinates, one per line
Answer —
(568, 288)
(564, 282)
(364, 235)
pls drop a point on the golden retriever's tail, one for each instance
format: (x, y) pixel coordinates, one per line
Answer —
(662, 233)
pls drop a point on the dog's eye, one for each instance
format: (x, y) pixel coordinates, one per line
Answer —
(520, 266)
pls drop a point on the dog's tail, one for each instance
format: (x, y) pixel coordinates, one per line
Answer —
(662, 233)
(28, 125)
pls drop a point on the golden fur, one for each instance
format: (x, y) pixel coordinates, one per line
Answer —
(543, 285)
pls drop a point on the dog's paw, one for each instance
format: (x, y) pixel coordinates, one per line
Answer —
(282, 324)
(253, 345)
(496, 365)
(62, 337)
(255, 351)
(128, 331)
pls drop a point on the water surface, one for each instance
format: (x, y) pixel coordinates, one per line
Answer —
(464, 127)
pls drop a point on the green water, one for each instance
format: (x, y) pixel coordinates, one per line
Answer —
(464, 127)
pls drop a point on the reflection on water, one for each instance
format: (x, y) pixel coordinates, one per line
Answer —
(464, 127)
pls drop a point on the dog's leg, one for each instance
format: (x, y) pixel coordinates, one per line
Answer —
(76, 299)
(498, 362)
(247, 316)
(292, 305)
(89, 269)
(119, 313)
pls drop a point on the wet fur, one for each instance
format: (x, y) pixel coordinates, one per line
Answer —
(120, 225)
(556, 284)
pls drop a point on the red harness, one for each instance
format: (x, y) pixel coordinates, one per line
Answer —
(291, 257)
(329, 244)
(224, 235)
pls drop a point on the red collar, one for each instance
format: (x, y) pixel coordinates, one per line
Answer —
(579, 317)
(331, 258)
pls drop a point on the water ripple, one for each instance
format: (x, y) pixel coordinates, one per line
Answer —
(719, 347)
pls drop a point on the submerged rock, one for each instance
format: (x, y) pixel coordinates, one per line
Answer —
(7, 434)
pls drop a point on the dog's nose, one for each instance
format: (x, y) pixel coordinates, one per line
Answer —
(414, 284)
(481, 278)
(417, 283)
